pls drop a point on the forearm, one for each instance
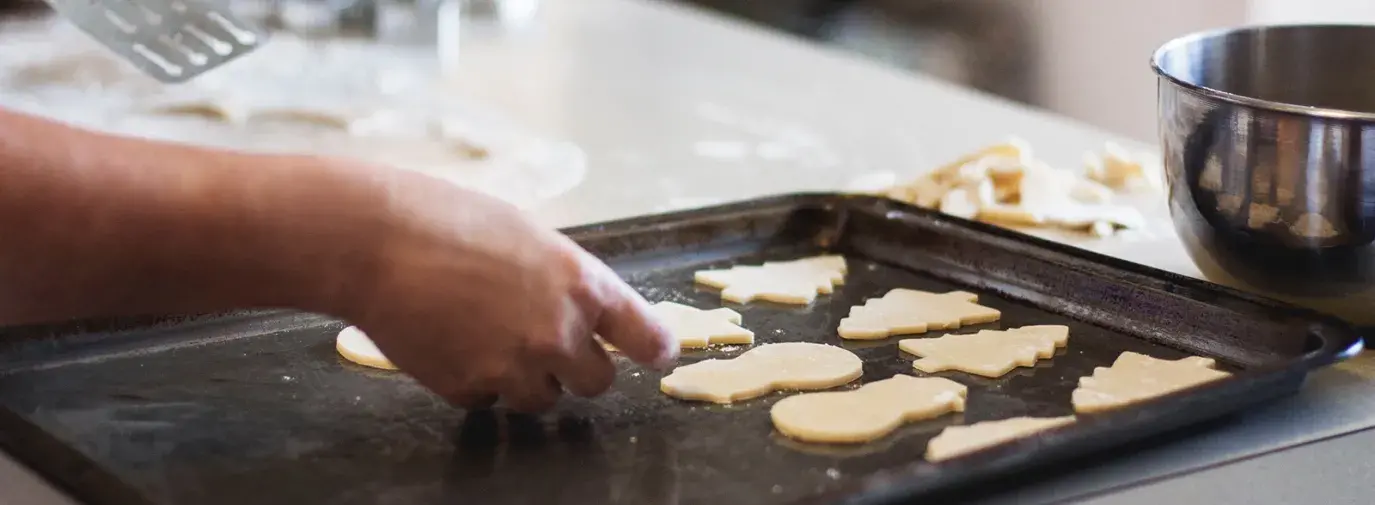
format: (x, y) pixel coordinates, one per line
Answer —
(98, 225)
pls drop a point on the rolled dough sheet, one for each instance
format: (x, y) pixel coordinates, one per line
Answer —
(908, 311)
(355, 346)
(989, 353)
(867, 413)
(957, 441)
(1135, 378)
(793, 282)
(767, 368)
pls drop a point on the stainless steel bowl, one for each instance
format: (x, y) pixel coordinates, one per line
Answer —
(1269, 150)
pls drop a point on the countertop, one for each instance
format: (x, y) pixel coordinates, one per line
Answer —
(678, 108)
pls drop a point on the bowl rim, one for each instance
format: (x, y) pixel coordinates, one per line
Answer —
(1247, 101)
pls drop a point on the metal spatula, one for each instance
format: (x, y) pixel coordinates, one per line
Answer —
(170, 40)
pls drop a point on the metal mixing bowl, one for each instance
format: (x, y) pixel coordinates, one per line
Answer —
(1269, 150)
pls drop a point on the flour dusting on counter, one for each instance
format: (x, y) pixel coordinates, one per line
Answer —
(353, 99)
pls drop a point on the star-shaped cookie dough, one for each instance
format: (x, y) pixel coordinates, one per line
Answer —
(696, 328)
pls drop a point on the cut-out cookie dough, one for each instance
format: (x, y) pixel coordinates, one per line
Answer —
(908, 311)
(767, 368)
(960, 440)
(697, 328)
(1135, 378)
(793, 282)
(867, 413)
(355, 346)
(989, 353)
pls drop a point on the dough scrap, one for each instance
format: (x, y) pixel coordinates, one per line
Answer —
(867, 413)
(1054, 197)
(1135, 378)
(989, 353)
(960, 440)
(355, 346)
(793, 282)
(908, 311)
(767, 368)
(1118, 169)
(1003, 184)
(696, 328)
(210, 110)
(305, 116)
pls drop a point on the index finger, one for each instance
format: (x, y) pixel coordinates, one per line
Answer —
(625, 320)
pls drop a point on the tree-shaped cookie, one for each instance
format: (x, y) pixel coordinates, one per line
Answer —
(908, 311)
(867, 413)
(794, 282)
(960, 440)
(1134, 378)
(769, 367)
(990, 353)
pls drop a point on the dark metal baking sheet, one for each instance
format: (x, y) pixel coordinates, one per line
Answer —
(257, 408)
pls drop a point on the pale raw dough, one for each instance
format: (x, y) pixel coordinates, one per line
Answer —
(221, 112)
(695, 328)
(794, 282)
(960, 440)
(990, 353)
(758, 371)
(908, 311)
(355, 346)
(1135, 378)
(1003, 184)
(317, 118)
(1053, 197)
(867, 413)
(1119, 169)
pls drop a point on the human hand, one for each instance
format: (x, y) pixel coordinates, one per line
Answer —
(475, 301)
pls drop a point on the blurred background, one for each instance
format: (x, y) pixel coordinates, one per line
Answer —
(1087, 59)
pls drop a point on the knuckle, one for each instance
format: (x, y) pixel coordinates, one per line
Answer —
(546, 345)
(555, 339)
(570, 260)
